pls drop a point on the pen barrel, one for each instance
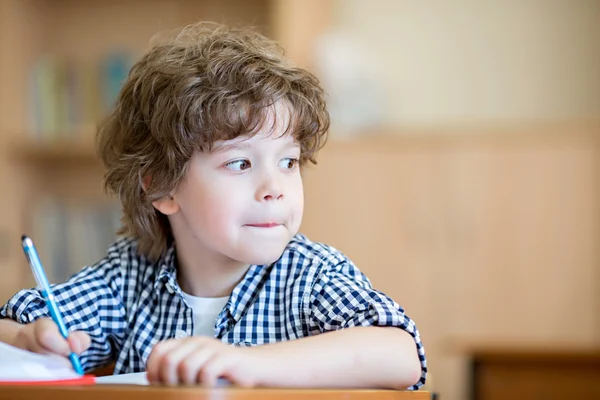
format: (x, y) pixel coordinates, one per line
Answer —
(76, 363)
(55, 313)
(40, 277)
(57, 317)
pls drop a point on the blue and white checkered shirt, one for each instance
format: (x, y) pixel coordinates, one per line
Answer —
(127, 304)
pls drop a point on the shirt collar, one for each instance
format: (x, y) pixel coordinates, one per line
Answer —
(243, 294)
(167, 272)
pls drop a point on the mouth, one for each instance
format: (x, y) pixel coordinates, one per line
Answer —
(264, 225)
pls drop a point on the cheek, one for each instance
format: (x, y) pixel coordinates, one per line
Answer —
(297, 198)
(224, 203)
(205, 205)
(300, 197)
(215, 207)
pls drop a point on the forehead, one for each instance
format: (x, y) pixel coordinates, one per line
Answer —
(277, 122)
(276, 125)
(258, 139)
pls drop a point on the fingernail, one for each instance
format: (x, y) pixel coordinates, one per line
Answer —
(75, 348)
(60, 345)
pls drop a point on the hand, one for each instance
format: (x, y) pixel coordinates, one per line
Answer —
(202, 360)
(42, 336)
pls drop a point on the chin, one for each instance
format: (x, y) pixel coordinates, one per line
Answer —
(265, 257)
(261, 247)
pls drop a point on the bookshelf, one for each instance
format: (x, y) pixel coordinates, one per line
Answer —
(48, 161)
(58, 152)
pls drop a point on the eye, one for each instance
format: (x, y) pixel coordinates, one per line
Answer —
(238, 165)
(288, 163)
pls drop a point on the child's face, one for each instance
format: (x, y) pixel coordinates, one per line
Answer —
(244, 199)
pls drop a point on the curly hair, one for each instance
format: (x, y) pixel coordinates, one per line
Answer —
(203, 83)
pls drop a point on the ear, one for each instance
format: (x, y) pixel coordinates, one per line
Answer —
(167, 205)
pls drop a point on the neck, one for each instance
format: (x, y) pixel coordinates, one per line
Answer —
(206, 275)
(202, 272)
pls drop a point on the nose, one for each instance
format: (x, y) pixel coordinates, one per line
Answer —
(270, 187)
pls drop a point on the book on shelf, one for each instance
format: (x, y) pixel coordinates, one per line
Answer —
(67, 97)
(70, 235)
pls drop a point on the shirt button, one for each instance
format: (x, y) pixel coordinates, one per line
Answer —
(170, 288)
(180, 334)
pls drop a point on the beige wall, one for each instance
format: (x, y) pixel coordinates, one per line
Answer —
(482, 238)
(481, 223)
(458, 61)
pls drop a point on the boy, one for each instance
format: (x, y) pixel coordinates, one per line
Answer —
(204, 149)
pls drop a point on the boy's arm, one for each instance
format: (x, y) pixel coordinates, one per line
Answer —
(9, 330)
(42, 336)
(387, 349)
(90, 301)
(363, 357)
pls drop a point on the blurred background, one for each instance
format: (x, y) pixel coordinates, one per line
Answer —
(462, 174)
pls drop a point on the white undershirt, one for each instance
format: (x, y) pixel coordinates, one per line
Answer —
(205, 311)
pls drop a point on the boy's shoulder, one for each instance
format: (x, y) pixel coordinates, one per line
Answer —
(124, 253)
(314, 253)
(124, 261)
(309, 263)
(122, 245)
(124, 248)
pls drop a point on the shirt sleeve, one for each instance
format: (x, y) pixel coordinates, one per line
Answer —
(343, 297)
(89, 301)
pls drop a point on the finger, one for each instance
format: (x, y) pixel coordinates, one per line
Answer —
(30, 343)
(49, 338)
(234, 365)
(170, 363)
(191, 365)
(215, 367)
(79, 341)
(156, 359)
(26, 339)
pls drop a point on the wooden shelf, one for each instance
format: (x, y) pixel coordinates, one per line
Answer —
(55, 152)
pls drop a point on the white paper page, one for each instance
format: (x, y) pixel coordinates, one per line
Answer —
(21, 365)
(139, 378)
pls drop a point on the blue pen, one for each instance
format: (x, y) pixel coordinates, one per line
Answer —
(42, 281)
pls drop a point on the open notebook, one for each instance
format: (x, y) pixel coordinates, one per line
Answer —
(20, 366)
(23, 367)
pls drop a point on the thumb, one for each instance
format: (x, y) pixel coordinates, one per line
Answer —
(49, 338)
(79, 341)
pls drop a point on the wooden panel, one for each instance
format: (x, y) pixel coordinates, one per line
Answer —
(551, 374)
(91, 28)
(298, 24)
(480, 237)
(22, 20)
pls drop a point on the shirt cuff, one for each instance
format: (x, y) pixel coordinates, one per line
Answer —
(24, 307)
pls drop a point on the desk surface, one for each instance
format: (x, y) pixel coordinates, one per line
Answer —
(131, 392)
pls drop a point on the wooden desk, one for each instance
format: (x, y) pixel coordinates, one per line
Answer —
(130, 392)
(499, 373)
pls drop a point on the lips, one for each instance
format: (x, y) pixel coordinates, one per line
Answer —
(264, 225)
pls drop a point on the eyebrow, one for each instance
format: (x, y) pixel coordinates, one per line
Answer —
(221, 148)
